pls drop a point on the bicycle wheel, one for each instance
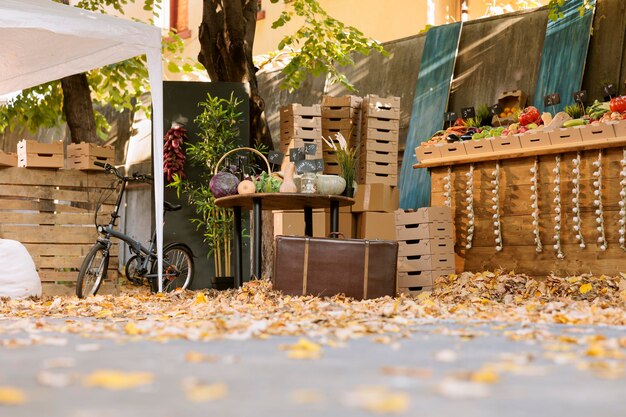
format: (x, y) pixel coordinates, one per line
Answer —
(178, 269)
(93, 271)
(130, 270)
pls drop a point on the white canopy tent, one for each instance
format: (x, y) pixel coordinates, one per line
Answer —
(41, 41)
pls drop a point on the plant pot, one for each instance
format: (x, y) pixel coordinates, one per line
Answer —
(348, 192)
(330, 184)
(222, 283)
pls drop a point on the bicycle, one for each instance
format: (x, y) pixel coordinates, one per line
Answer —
(178, 264)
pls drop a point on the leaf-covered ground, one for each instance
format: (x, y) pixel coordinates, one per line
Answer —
(576, 322)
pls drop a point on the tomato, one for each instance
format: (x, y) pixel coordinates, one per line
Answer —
(618, 104)
(529, 115)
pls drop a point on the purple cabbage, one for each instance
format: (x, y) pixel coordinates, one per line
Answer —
(223, 184)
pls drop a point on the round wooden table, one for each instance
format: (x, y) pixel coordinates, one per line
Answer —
(276, 201)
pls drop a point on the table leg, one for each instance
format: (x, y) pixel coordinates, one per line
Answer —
(237, 242)
(258, 232)
(308, 221)
(334, 217)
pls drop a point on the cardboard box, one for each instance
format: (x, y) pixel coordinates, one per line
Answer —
(433, 262)
(374, 225)
(33, 154)
(598, 132)
(452, 149)
(367, 167)
(374, 101)
(424, 153)
(353, 113)
(346, 224)
(375, 197)
(620, 128)
(443, 246)
(379, 145)
(534, 139)
(339, 123)
(344, 101)
(505, 143)
(86, 163)
(423, 215)
(378, 156)
(91, 149)
(473, 147)
(368, 133)
(565, 136)
(425, 231)
(512, 99)
(380, 123)
(413, 291)
(8, 159)
(349, 135)
(299, 143)
(291, 132)
(376, 178)
(296, 109)
(291, 223)
(412, 279)
(301, 121)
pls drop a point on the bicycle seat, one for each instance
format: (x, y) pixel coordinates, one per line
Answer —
(167, 206)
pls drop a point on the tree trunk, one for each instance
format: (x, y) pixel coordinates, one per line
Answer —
(226, 38)
(78, 108)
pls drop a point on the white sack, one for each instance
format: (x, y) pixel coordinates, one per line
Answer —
(18, 276)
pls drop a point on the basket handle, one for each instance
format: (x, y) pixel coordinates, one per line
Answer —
(269, 170)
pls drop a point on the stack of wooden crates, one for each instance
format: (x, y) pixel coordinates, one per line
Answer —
(340, 115)
(82, 156)
(425, 248)
(299, 126)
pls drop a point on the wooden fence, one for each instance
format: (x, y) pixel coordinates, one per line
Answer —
(52, 212)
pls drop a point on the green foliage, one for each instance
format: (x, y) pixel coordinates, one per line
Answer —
(219, 125)
(555, 6)
(119, 85)
(320, 45)
(265, 183)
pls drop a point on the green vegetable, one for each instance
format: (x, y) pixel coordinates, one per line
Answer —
(265, 183)
(597, 110)
(574, 111)
(575, 122)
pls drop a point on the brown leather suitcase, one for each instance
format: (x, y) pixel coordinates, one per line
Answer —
(325, 267)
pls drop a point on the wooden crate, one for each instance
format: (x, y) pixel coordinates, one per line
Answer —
(423, 215)
(436, 230)
(433, 262)
(374, 106)
(565, 136)
(597, 132)
(477, 146)
(86, 163)
(620, 128)
(300, 121)
(8, 159)
(534, 140)
(332, 112)
(90, 149)
(519, 252)
(413, 291)
(378, 178)
(423, 153)
(452, 149)
(291, 132)
(388, 157)
(505, 143)
(380, 123)
(344, 101)
(370, 133)
(296, 109)
(339, 123)
(426, 247)
(413, 279)
(389, 168)
(51, 212)
(379, 145)
(32, 154)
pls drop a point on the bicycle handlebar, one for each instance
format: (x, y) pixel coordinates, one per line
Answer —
(135, 177)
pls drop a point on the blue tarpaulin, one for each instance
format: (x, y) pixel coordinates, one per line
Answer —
(429, 104)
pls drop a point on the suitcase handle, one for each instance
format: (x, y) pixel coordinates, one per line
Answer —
(337, 234)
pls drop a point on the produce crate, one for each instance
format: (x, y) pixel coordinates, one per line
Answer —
(349, 135)
(434, 262)
(374, 106)
(505, 143)
(452, 149)
(8, 159)
(32, 154)
(378, 167)
(378, 178)
(473, 147)
(599, 132)
(344, 101)
(412, 279)
(300, 143)
(565, 136)
(423, 153)
(332, 112)
(82, 156)
(413, 291)
(620, 128)
(376, 197)
(379, 156)
(426, 246)
(331, 166)
(339, 123)
(379, 145)
(380, 123)
(296, 109)
(534, 139)
(291, 132)
(301, 121)
(433, 230)
(424, 215)
(379, 134)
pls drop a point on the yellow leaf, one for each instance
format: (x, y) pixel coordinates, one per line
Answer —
(423, 295)
(585, 288)
(206, 392)
(103, 314)
(133, 330)
(201, 298)
(11, 396)
(304, 349)
(196, 357)
(485, 376)
(596, 350)
(118, 380)
(396, 403)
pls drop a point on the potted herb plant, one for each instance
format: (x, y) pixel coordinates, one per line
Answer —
(347, 158)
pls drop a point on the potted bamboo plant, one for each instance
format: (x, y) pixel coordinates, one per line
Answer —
(219, 129)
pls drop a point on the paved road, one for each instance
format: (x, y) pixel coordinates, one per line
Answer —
(541, 378)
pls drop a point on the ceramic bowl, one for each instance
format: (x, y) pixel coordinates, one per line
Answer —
(330, 184)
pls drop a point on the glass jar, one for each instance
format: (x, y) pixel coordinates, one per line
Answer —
(308, 183)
